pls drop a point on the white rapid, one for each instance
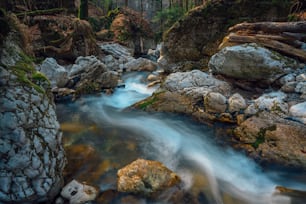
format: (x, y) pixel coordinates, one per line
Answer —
(180, 144)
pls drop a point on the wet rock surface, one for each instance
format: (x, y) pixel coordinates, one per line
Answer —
(251, 62)
(212, 99)
(271, 139)
(146, 177)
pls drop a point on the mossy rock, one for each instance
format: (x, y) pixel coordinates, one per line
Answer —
(28, 76)
(199, 33)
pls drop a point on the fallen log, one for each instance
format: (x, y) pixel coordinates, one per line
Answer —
(271, 27)
(297, 36)
(41, 12)
(270, 43)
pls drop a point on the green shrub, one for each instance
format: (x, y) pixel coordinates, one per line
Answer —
(168, 17)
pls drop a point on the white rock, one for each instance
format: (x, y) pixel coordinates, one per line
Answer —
(56, 73)
(152, 77)
(287, 78)
(78, 193)
(250, 62)
(299, 111)
(118, 51)
(273, 102)
(85, 64)
(301, 87)
(236, 103)
(215, 102)
(181, 81)
(301, 77)
(141, 64)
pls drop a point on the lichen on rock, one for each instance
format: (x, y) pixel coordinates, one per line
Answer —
(145, 177)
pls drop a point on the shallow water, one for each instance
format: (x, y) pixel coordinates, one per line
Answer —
(221, 174)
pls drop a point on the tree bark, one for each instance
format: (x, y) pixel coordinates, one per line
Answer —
(272, 27)
(83, 12)
(270, 43)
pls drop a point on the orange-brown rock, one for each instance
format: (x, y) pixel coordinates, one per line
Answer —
(274, 140)
(147, 178)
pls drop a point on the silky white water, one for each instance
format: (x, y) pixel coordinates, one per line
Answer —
(181, 144)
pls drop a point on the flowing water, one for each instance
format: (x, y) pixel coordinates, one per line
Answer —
(218, 173)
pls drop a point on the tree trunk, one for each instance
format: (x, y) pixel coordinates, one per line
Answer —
(83, 10)
(272, 27)
(270, 43)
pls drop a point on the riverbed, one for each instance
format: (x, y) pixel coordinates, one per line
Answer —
(211, 173)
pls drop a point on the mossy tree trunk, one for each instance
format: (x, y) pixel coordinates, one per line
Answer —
(83, 10)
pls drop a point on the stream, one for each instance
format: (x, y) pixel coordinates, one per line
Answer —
(213, 173)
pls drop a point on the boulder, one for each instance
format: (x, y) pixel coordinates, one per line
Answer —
(141, 64)
(236, 103)
(185, 92)
(273, 140)
(251, 62)
(272, 102)
(89, 75)
(197, 36)
(145, 177)
(184, 81)
(118, 51)
(78, 193)
(299, 112)
(56, 73)
(112, 63)
(32, 155)
(215, 102)
(86, 65)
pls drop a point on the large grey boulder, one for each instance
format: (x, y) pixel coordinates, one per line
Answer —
(118, 51)
(90, 75)
(56, 73)
(86, 65)
(184, 81)
(31, 151)
(141, 64)
(251, 62)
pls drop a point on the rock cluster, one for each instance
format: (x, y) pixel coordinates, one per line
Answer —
(252, 106)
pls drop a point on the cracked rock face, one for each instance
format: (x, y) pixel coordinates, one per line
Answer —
(32, 156)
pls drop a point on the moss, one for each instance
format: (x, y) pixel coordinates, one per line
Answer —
(88, 88)
(261, 136)
(149, 101)
(40, 77)
(27, 75)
